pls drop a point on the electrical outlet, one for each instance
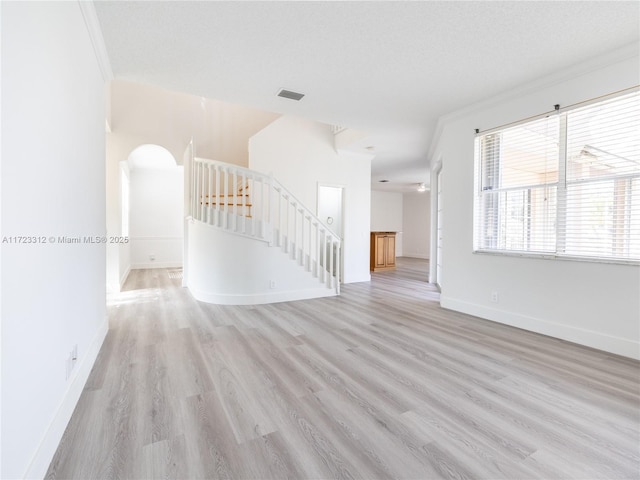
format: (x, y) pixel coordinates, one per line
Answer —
(272, 284)
(152, 257)
(494, 296)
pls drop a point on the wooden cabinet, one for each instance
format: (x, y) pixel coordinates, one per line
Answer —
(383, 251)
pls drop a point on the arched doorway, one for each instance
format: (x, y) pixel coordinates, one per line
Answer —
(150, 211)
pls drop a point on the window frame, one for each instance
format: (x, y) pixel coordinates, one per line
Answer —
(562, 185)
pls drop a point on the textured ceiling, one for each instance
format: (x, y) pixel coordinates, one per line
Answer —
(389, 68)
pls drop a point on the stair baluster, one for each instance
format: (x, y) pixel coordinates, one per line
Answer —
(251, 204)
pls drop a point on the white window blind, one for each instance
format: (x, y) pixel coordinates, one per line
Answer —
(563, 185)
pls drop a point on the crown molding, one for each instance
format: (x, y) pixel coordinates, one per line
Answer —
(90, 16)
(616, 56)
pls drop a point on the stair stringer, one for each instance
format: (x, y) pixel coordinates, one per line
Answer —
(230, 269)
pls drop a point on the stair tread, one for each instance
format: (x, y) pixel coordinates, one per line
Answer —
(228, 195)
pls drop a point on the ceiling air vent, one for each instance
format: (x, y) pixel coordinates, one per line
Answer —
(290, 95)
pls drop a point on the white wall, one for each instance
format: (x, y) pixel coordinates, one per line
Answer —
(244, 271)
(117, 272)
(118, 255)
(143, 114)
(416, 220)
(387, 216)
(300, 154)
(148, 114)
(156, 217)
(595, 304)
(53, 184)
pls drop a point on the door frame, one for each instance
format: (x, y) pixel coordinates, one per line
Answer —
(436, 220)
(342, 220)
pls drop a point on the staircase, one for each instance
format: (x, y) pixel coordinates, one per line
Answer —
(244, 203)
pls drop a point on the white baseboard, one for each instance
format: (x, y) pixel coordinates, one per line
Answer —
(124, 277)
(139, 266)
(423, 256)
(589, 338)
(49, 444)
(358, 278)
(262, 298)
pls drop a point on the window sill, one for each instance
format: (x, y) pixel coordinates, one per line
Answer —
(553, 256)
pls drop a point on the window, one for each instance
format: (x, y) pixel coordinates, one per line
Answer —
(567, 184)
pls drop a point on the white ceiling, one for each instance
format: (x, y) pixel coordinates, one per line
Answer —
(388, 68)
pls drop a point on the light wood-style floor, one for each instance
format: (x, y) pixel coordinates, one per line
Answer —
(377, 383)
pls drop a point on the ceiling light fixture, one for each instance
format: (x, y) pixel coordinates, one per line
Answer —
(290, 95)
(422, 187)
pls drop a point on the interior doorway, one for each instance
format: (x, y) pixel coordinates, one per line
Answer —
(330, 207)
(330, 211)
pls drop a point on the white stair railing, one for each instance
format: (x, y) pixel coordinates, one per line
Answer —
(252, 204)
